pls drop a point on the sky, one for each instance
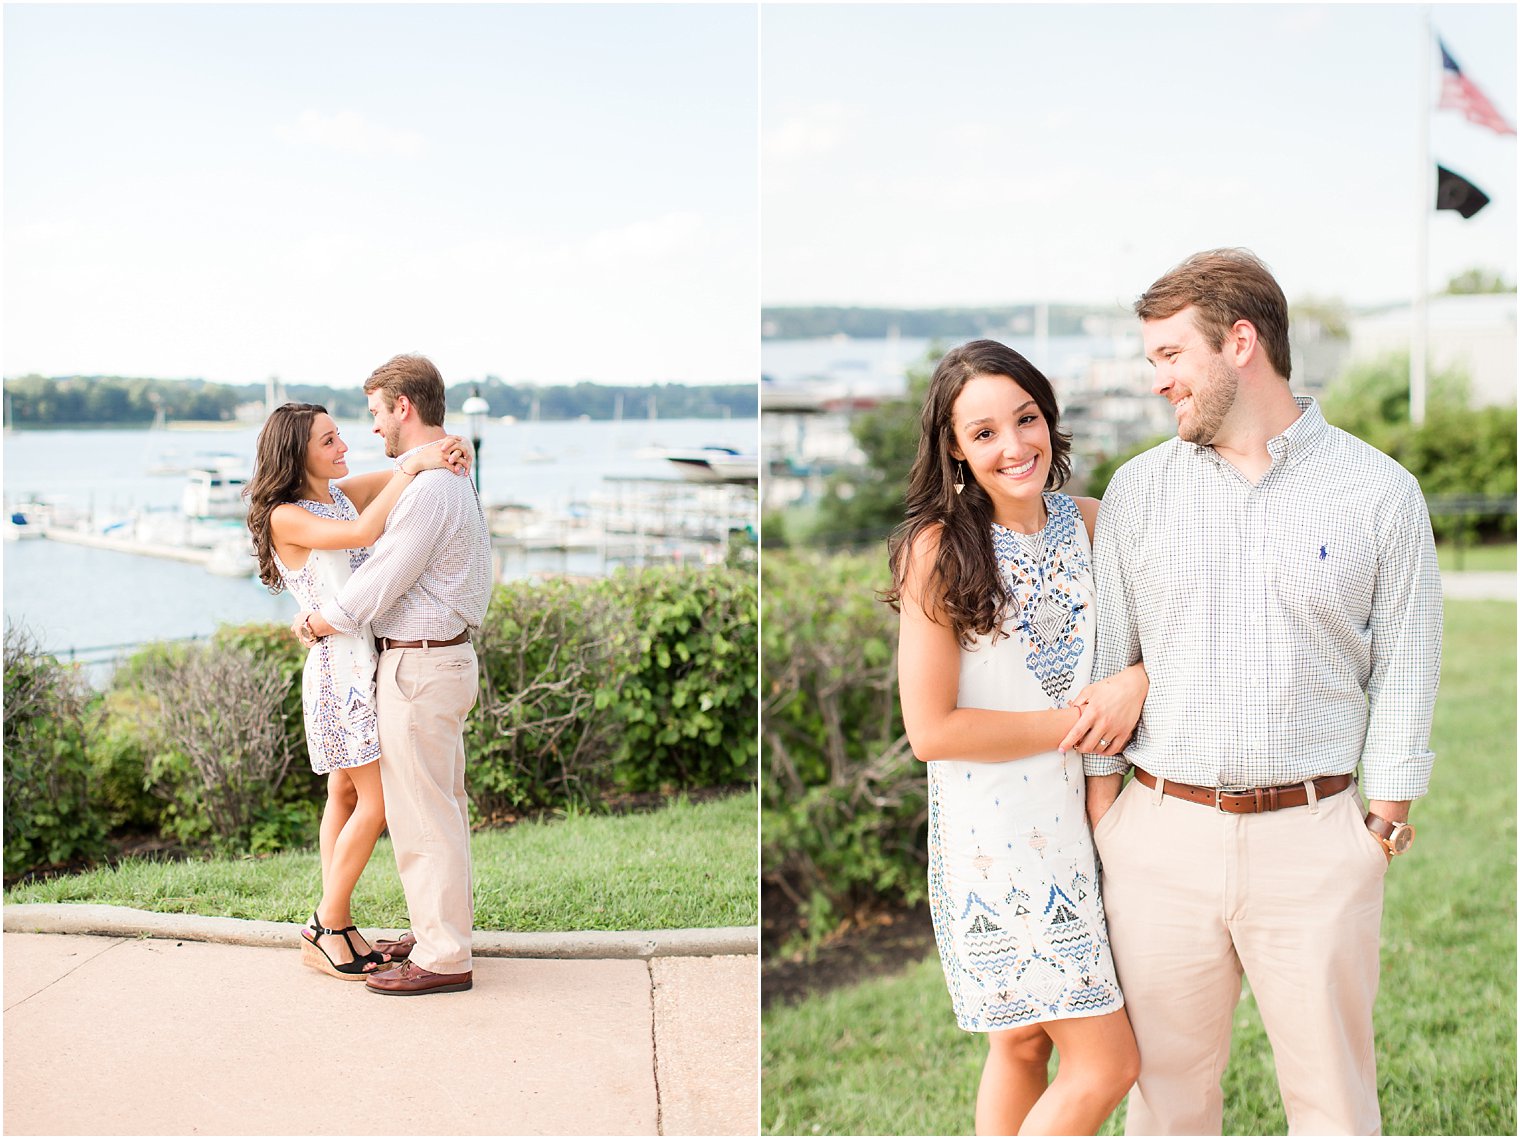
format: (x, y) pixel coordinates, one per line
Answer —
(554, 193)
(541, 193)
(993, 154)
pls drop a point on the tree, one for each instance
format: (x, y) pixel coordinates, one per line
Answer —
(863, 506)
(1330, 313)
(1457, 453)
(1370, 398)
(1105, 469)
(1476, 280)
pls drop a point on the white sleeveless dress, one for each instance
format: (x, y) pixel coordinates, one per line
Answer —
(1013, 889)
(338, 683)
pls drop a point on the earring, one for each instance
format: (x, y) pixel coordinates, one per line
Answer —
(960, 477)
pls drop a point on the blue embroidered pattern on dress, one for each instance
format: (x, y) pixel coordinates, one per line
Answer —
(1044, 583)
(340, 509)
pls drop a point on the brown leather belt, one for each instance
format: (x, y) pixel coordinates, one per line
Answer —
(1250, 800)
(387, 643)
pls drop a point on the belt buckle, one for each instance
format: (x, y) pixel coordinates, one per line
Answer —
(1221, 791)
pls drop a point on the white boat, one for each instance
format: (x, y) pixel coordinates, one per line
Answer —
(33, 518)
(215, 490)
(21, 523)
(233, 556)
(507, 519)
(177, 462)
(716, 464)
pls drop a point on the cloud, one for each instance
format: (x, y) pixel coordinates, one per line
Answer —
(816, 130)
(349, 132)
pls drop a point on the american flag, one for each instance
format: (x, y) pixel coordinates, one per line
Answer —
(1459, 93)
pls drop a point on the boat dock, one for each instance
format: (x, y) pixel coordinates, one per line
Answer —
(191, 554)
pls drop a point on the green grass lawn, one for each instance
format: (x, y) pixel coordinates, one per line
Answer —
(1488, 558)
(684, 866)
(885, 1057)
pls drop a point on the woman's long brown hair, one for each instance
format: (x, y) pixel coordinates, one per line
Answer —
(279, 476)
(965, 589)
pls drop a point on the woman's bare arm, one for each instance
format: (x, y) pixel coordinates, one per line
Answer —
(295, 528)
(361, 489)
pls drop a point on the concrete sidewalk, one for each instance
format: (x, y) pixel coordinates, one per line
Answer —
(136, 1035)
(1478, 585)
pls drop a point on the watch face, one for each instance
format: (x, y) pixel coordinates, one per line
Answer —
(1402, 839)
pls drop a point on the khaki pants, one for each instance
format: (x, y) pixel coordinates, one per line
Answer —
(1294, 898)
(423, 698)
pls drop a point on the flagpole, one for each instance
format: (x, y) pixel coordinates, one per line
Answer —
(1418, 329)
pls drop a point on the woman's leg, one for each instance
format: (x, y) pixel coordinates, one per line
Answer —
(1014, 1077)
(353, 845)
(341, 799)
(1099, 1064)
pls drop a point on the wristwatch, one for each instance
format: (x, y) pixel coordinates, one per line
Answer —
(1396, 838)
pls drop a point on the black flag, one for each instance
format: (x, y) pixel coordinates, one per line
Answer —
(1454, 192)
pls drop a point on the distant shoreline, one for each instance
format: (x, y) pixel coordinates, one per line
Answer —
(235, 424)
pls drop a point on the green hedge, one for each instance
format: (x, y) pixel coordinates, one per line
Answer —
(640, 681)
(844, 803)
(50, 815)
(589, 690)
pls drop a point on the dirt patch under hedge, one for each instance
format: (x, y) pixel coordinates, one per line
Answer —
(877, 945)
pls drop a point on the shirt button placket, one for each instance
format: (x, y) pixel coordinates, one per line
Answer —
(1260, 650)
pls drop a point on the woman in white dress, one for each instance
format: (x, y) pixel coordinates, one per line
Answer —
(312, 523)
(993, 578)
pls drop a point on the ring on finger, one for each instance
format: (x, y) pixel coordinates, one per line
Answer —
(1102, 743)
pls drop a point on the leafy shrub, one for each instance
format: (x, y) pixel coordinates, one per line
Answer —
(1460, 455)
(844, 803)
(537, 736)
(682, 687)
(50, 817)
(1459, 452)
(225, 747)
(639, 681)
(120, 749)
(277, 647)
(147, 777)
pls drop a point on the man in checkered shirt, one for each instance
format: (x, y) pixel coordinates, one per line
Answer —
(423, 593)
(1278, 577)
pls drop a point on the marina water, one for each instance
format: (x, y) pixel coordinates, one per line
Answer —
(73, 599)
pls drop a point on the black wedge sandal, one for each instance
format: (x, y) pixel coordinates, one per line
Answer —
(314, 955)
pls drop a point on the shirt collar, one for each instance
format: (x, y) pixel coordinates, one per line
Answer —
(1294, 444)
(401, 458)
(1301, 436)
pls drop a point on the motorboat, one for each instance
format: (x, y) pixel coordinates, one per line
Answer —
(215, 489)
(716, 464)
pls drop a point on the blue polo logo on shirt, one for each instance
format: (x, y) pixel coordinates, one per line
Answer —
(1323, 553)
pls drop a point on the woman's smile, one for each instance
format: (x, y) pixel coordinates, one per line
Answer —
(1020, 470)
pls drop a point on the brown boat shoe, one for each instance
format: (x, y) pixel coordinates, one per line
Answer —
(397, 950)
(409, 980)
